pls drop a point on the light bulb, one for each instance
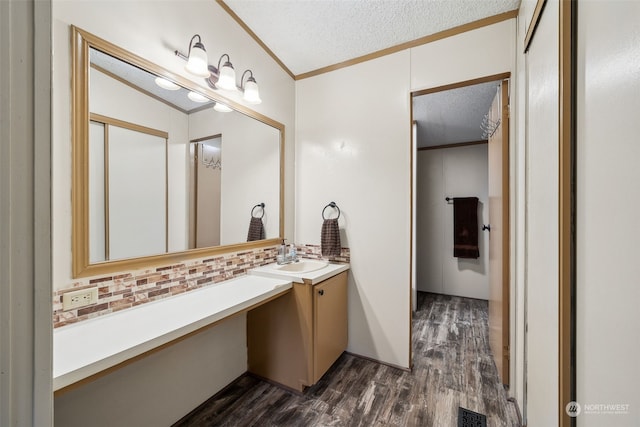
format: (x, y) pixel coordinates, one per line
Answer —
(196, 97)
(197, 63)
(166, 84)
(227, 78)
(251, 92)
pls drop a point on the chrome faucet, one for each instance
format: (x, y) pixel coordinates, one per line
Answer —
(286, 256)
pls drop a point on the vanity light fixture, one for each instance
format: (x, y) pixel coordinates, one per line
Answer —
(196, 97)
(221, 77)
(166, 84)
(250, 88)
(197, 60)
(222, 108)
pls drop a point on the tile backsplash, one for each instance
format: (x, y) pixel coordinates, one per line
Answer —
(129, 289)
(314, 252)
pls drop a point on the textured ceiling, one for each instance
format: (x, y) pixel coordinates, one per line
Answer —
(452, 116)
(307, 35)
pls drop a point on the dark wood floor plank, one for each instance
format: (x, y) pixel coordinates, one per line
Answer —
(452, 367)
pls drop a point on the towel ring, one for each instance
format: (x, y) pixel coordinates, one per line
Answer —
(331, 205)
(259, 205)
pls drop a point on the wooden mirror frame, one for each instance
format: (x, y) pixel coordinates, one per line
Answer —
(81, 42)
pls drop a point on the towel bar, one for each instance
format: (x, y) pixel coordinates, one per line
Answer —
(259, 205)
(331, 205)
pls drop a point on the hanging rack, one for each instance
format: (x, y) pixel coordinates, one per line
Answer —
(259, 205)
(331, 205)
(213, 163)
(488, 126)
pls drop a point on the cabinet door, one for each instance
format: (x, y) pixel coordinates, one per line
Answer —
(330, 323)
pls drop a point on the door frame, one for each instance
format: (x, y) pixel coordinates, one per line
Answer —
(567, 281)
(412, 163)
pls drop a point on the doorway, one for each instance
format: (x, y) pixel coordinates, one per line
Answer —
(205, 191)
(460, 151)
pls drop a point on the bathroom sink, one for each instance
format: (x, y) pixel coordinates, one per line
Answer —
(310, 271)
(304, 266)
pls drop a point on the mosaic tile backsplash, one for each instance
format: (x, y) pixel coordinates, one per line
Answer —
(129, 289)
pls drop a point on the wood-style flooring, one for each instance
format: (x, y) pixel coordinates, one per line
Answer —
(452, 367)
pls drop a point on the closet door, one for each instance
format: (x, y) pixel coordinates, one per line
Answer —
(542, 221)
(137, 188)
(498, 154)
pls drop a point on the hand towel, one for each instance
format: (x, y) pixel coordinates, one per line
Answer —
(256, 230)
(465, 227)
(330, 238)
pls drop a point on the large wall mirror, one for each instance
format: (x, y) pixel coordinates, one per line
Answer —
(164, 170)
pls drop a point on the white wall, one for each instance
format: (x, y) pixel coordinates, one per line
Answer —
(542, 221)
(353, 146)
(608, 288)
(450, 172)
(478, 53)
(153, 30)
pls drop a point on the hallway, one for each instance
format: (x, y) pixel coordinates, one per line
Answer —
(452, 367)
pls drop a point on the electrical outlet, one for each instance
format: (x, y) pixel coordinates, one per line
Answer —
(80, 298)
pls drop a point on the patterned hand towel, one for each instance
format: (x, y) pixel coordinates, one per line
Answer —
(256, 230)
(330, 238)
(465, 227)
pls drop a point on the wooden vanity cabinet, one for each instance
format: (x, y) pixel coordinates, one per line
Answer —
(294, 339)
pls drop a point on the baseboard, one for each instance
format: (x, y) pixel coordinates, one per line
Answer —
(515, 403)
(371, 359)
(275, 384)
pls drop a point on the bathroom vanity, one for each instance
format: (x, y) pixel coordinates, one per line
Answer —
(296, 326)
(294, 339)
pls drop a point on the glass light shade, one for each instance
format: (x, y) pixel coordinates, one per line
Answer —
(197, 63)
(251, 92)
(227, 78)
(196, 97)
(222, 108)
(166, 84)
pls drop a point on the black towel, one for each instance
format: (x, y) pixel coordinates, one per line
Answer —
(465, 227)
(256, 230)
(330, 238)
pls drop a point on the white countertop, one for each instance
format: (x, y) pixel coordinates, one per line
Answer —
(313, 277)
(86, 348)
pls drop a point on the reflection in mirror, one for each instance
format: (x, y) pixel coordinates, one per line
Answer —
(207, 164)
(162, 168)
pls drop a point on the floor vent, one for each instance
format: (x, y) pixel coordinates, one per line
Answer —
(467, 418)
